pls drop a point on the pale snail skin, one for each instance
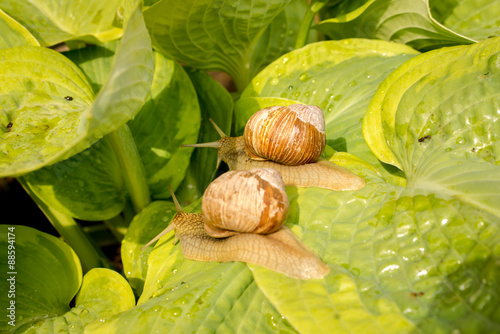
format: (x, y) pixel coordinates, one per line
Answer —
(280, 251)
(322, 173)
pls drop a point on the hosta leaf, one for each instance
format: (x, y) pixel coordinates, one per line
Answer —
(48, 115)
(87, 186)
(95, 61)
(37, 119)
(212, 35)
(338, 76)
(56, 21)
(45, 271)
(144, 227)
(403, 260)
(477, 19)
(103, 294)
(439, 123)
(129, 81)
(14, 34)
(169, 118)
(216, 104)
(280, 36)
(406, 22)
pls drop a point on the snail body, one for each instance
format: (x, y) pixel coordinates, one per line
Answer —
(234, 152)
(277, 249)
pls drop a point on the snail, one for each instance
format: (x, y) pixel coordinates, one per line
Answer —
(285, 131)
(249, 214)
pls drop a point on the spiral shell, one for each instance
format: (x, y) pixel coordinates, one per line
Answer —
(290, 135)
(245, 201)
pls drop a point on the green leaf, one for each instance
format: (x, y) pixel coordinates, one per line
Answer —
(103, 294)
(280, 36)
(49, 115)
(403, 260)
(128, 83)
(95, 61)
(14, 34)
(169, 118)
(338, 76)
(406, 22)
(38, 122)
(212, 35)
(46, 275)
(438, 123)
(472, 18)
(216, 104)
(57, 21)
(87, 186)
(144, 227)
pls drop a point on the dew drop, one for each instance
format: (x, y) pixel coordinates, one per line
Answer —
(275, 81)
(285, 60)
(290, 87)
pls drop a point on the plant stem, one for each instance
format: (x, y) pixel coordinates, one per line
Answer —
(307, 22)
(134, 174)
(304, 29)
(89, 254)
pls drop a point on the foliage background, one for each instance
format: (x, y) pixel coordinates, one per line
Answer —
(92, 132)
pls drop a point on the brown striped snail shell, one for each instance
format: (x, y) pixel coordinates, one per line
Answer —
(245, 201)
(290, 135)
